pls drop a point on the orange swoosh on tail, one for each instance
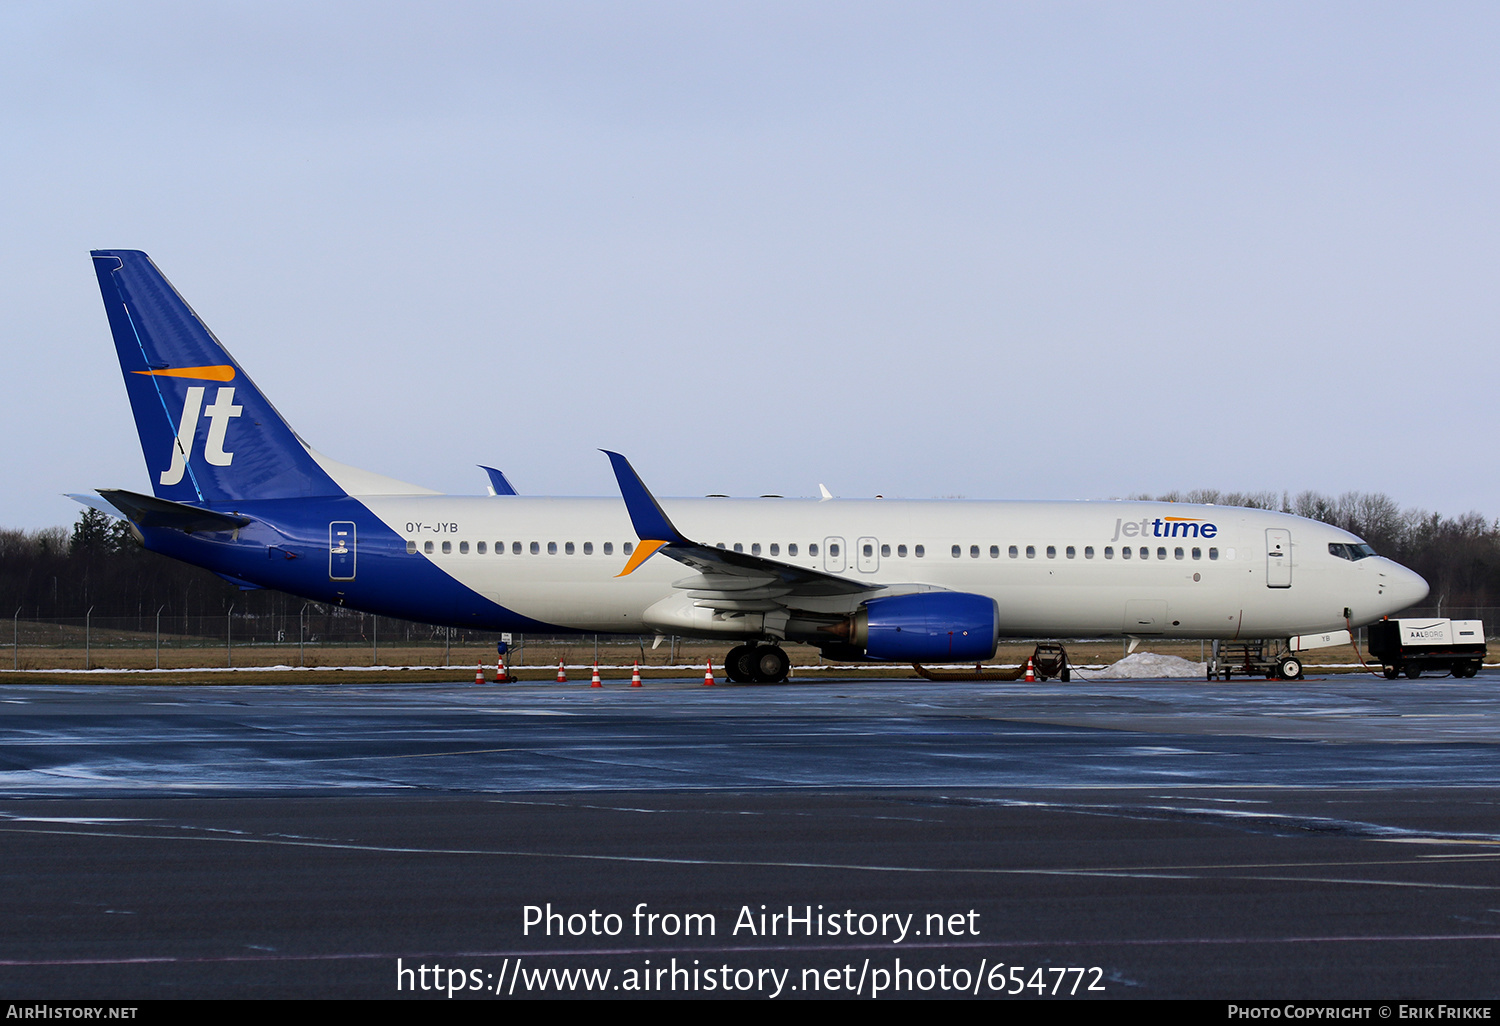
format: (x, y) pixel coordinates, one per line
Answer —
(218, 372)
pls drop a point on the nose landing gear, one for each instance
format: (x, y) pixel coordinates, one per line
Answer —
(757, 664)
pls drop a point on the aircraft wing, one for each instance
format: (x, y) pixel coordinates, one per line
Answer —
(499, 483)
(726, 580)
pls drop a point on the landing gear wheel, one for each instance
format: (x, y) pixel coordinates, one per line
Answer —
(1290, 668)
(737, 666)
(770, 664)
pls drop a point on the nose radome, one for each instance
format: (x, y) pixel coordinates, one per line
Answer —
(1404, 587)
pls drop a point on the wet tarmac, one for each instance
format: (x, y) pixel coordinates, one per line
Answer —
(1333, 838)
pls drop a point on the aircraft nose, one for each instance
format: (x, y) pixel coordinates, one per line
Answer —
(1403, 587)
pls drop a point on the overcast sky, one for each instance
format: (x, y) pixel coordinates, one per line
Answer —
(993, 250)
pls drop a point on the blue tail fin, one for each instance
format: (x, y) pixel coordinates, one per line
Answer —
(207, 432)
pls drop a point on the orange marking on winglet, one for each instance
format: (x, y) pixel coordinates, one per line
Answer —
(644, 551)
(218, 372)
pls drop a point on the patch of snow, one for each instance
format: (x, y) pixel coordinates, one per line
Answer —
(1150, 665)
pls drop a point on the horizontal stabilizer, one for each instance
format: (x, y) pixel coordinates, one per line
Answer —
(148, 511)
(94, 502)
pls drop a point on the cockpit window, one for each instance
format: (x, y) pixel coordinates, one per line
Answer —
(1357, 550)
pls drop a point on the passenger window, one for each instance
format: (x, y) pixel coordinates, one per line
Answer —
(1051, 551)
(755, 548)
(1213, 553)
(791, 550)
(1145, 552)
(515, 548)
(427, 548)
(447, 548)
(463, 548)
(1031, 552)
(812, 550)
(869, 550)
(609, 548)
(775, 548)
(480, 548)
(1177, 552)
(973, 551)
(957, 551)
(833, 550)
(738, 547)
(1125, 551)
(411, 548)
(588, 548)
(568, 548)
(1161, 552)
(1088, 552)
(1109, 552)
(626, 548)
(536, 548)
(552, 548)
(1014, 552)
(901, 551)
(919, 551)
(719, 546)
(994, 552)
(1071, 552)
(885, 551)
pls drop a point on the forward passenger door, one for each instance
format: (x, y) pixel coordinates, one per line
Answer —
(1278, 558)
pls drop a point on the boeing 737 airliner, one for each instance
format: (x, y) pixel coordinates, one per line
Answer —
(236, 490)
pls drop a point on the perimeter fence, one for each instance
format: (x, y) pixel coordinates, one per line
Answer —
(318, 635)
(313, 636)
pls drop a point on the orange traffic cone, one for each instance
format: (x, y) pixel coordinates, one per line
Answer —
(708, 674)
(562, 675)
(595, 682)
(500, 675)
(1030, 673)
(479, 674)
(635, 676)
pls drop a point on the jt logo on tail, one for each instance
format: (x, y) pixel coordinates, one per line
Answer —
(219, 414)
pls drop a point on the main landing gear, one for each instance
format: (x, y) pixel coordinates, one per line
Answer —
(757, 664)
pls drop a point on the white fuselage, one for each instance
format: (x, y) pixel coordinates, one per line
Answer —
(1055, 569)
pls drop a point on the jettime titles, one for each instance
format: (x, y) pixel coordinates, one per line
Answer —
(1165, 527)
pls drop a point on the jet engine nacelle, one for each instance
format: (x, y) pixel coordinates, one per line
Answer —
(933, 626)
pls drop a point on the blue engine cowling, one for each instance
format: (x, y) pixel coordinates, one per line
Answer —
(934, 626)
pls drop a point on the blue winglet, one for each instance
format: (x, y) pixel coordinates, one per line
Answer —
(650, 523)
(498, 481)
